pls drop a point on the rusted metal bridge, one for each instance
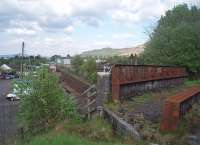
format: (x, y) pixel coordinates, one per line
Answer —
(131, 80)
(177, 106)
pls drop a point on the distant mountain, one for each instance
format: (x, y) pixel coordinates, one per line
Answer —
(115, 52)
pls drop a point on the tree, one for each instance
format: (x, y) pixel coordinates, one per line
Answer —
(89, 70)
(176, 39)
(77, 62)
(54, 57)
(85, 68)
(44, 102)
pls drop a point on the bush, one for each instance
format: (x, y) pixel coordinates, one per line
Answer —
(176, 39)
(86, 69)
(45, 102)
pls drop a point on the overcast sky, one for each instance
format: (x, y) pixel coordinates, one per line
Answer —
(72, 26)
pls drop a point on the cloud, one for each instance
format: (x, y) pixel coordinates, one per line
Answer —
(57, 15)
(123, 35)
(49, 23)
(23, 27)
(69, 29)
(20, 31)
(138, 11)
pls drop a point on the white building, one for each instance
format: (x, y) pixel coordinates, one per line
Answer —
(52, 67)
(65, 61)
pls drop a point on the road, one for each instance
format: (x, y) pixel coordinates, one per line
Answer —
(4, 89)
(8, 111)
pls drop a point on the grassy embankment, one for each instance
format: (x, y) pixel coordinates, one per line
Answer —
(94, 132)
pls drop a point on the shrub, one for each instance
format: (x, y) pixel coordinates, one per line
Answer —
(45, 103)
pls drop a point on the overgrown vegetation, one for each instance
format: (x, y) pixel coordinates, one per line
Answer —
(176, 39)
(150, 130)
(93, 132)
(85, 68)
(192, 82)
(193, 117)
(43, 102)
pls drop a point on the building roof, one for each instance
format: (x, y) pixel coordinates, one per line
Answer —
(5, 67)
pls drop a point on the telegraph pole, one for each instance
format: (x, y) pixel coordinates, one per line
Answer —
(22, 63)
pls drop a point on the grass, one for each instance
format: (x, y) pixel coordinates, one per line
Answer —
(146, 98)
(93, 132)
(153, 95)
(158, 96)
(192, 82)
(98, 131)
(63, 139)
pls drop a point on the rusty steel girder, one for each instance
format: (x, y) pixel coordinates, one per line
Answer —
(177, 106)
(124, 75)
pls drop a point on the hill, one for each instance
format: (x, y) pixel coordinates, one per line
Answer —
(113, 52)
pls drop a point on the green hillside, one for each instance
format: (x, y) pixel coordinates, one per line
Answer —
(113, 52)
(101, 52)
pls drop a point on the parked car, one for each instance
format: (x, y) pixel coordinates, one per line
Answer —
(12, 97)
(9, 77)
(1, 76)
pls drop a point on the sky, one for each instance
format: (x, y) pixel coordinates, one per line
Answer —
(64, 27)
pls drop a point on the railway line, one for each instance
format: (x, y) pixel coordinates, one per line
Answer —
(85, 93)
(130, 80)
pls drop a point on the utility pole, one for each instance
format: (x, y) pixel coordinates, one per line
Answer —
(22, 63)
(136, 60)
(29, 65)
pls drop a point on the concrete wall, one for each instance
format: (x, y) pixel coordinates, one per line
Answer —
(103, 87)
(120, 127)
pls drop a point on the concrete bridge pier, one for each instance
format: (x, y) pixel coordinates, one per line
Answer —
(103, 88)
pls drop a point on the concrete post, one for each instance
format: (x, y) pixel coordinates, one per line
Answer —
(103, 87)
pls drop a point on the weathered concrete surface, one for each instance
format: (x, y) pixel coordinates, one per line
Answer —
(103, 87)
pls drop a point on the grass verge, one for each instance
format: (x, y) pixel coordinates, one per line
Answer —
(93, 132)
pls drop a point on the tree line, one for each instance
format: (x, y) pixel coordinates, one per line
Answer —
(176, 40)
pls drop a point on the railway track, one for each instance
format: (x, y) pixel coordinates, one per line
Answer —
(85, 93)
(72, 82)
